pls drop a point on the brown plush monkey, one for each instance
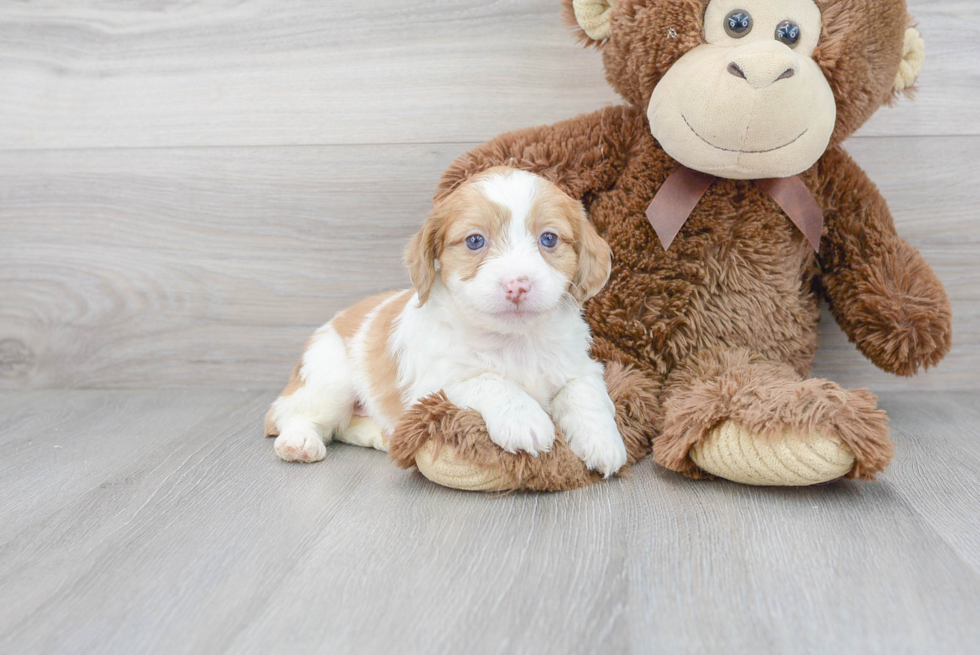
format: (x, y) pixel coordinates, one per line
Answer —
(708, 343)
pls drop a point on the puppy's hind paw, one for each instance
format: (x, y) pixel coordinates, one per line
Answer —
(300, 445)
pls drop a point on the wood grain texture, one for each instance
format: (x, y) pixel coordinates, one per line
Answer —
(150, 268)
(195, 538)
(258, 72)
(937, 442)
(211, 267)
(83, 438)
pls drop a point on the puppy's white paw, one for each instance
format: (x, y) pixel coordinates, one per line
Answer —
(521, 424)
(597, 442)
(300, 445)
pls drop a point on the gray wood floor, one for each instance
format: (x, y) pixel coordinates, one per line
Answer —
(161, 522)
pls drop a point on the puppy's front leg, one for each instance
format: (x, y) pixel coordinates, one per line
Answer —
(515, 420)
(587, 417)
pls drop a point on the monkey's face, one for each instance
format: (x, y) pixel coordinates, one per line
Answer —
(750, 89)
(750, 102)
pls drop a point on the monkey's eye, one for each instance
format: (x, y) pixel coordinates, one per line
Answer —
(475, 242)
(738, 23)
(788, 32)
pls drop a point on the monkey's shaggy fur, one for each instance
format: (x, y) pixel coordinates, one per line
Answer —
(724, 325)
(436, 419)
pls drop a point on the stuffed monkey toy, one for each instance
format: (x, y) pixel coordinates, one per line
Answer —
(732, 210)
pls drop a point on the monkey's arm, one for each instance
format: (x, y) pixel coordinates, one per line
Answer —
(580, 155)
(884, 295)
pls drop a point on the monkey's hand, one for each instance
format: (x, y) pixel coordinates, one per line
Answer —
(894, 308)
(884, 295)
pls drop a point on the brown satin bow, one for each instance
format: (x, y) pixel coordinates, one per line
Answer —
(685, 187)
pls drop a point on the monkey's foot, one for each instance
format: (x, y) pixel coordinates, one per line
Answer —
(732, 414)
(450, 446)
(730, 451)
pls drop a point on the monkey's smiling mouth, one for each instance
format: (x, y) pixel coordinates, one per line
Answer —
(747, 152)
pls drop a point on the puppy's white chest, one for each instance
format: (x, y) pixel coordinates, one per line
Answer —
(541, 389)
(532, 368)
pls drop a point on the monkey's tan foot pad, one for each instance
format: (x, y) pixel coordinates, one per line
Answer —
(442, 467)
(733, 453)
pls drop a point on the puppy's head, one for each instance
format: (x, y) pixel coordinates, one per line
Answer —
(509, 245)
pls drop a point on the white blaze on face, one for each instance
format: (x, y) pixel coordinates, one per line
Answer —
(747, 106)
(513, 281)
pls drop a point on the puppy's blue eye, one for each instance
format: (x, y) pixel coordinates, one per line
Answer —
(475, 242)
(548, 240)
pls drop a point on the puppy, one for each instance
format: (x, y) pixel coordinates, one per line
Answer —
(500, 270)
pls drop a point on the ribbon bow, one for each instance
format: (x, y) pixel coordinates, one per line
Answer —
(685, 187)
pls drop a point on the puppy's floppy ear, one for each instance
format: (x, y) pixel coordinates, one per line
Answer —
(423, 251)
(594, 261)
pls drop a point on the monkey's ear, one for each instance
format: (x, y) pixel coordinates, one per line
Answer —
(913, 56)
(592, 17)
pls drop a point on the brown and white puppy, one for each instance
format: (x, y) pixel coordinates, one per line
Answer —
(499, 270)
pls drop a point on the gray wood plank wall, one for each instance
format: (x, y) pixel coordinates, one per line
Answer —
(187, 189)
